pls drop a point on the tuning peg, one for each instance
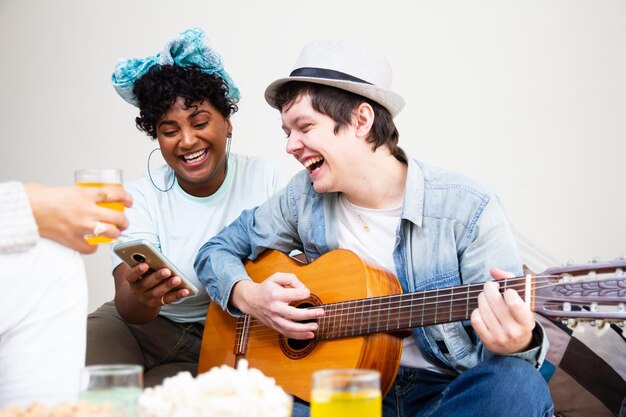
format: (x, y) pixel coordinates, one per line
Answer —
(574, 325)
(602, 327)
(570, 262)
(622, 257)
(596, 259)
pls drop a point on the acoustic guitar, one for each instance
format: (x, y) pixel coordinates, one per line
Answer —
(364, 307)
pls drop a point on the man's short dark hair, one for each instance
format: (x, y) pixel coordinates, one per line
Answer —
(340, 105)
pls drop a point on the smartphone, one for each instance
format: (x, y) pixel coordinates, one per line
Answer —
(137, 251)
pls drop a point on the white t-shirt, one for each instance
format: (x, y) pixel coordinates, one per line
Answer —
(179, 224)
(371, 234)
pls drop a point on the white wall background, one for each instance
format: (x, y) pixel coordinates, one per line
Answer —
(527, 96)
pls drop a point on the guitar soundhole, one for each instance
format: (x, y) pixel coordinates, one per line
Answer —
(298, 349)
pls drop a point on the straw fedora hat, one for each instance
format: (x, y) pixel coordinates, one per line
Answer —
(345, 65)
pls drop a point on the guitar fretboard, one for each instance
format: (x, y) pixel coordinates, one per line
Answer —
(403, 311)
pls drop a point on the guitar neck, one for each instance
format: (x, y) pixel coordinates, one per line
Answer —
(404, 311)
(547, 295)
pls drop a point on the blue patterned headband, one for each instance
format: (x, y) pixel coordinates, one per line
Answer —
(189, 49)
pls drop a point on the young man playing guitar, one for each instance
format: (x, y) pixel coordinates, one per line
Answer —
(430, 227)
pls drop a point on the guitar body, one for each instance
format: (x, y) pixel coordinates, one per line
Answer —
(337, 276)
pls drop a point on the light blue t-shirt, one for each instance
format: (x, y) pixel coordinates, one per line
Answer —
(179, 224)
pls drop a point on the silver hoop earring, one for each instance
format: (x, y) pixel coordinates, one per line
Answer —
(227, 154)
(150, 175)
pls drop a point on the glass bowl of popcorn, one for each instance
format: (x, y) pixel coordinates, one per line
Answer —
(220, 392)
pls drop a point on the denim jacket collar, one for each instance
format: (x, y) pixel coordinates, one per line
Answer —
(413, 208)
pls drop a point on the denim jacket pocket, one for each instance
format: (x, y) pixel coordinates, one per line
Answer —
(454, 345)
(451, 343)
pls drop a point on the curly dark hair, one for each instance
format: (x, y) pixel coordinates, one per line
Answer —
(158, 89)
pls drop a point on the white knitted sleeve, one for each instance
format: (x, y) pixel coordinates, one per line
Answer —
(18, 230)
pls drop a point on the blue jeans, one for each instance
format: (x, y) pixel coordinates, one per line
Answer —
(300, 408)
(500, 386)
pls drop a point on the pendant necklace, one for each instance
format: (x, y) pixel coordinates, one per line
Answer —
(361, 219)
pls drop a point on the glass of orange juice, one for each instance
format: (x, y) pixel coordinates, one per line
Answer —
(95, 177)
(346, 393)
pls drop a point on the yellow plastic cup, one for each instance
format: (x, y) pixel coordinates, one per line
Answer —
(347, 393)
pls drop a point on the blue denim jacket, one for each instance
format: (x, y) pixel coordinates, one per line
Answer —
(452, 231)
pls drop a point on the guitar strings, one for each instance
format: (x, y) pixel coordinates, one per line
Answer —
(335, 313)
(388, 301)
(421, 298)
(329, 330)
(357, 305)
(332, 329)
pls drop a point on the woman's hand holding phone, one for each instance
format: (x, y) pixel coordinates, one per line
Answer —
(156, 288)
(152, 277)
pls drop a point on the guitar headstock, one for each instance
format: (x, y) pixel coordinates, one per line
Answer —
(594, 292)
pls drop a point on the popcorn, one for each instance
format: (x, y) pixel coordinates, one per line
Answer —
(220, 392)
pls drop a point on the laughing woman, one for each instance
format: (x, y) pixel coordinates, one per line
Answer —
(185, 99)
